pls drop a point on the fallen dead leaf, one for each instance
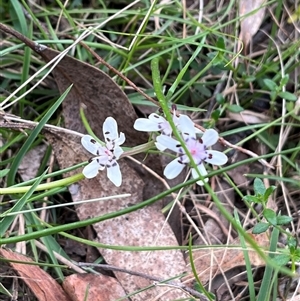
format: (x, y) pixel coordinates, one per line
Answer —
(43, 286)
(251, 23)
(31, 163)
(249, 117)
(209, 262)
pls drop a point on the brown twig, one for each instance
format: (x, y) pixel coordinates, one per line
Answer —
(127, 80)
(139, 274)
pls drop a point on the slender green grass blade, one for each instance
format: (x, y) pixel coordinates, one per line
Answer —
(25, 70)
(17, 12)
(265, 288)
(26, 146)
(7, 220)
(247, 259)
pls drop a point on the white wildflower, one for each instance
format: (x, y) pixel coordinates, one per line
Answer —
(197, 147)
(106, 155)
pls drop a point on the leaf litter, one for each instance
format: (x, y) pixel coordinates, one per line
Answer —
(252, 22)
(65, 143)
(44, 287)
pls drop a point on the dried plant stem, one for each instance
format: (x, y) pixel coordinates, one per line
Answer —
(152, 278)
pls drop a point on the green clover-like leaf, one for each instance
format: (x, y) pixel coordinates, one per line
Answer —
(260, 228)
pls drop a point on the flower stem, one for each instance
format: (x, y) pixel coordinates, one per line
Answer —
(47, 186)
(164, 105)
(138, 149)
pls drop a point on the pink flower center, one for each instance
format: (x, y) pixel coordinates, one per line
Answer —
(196, 148)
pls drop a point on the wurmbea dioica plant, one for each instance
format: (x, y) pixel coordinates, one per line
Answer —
(106, 155)
(155, 123)
(198, 148)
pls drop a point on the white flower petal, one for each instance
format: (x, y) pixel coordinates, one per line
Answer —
(168, 142)
(91, 170)
(90, 144)
(114, 174)
(160, 147)
(163, 124)
(120, 140)
(146, 125)
(201, 168)
(210, 137)
(176, 119)
(156, 118)
(118, 152)
(217, 158)
(110, 129)
(186, 126)
(173, 169)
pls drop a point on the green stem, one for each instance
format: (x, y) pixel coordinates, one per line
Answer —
(164, 105)
(143, 148)
(47, 186)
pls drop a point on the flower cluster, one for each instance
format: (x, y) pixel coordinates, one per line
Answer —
(198, 148)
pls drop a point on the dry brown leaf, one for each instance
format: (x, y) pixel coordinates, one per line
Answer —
(209, 262)
(31, 163)
(95, 287)
(43, 286)
(248, 117)
(251, 23)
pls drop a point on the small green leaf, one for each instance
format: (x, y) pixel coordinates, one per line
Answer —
(271, 85)
(284, 80)
(288, 96)
(251, 198)
(259, 187)
(220, 99)
(296, 255)
(249, 79)
(212, 55)
(290, 106)
(270, 216)
(292, 242)
(260, 228)
(204, 91)
(215, 115)
(235, 108)
(273, 95)
(268, 192)
(281, 259)
(220, 43)
(283, 219)
(4, 172)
